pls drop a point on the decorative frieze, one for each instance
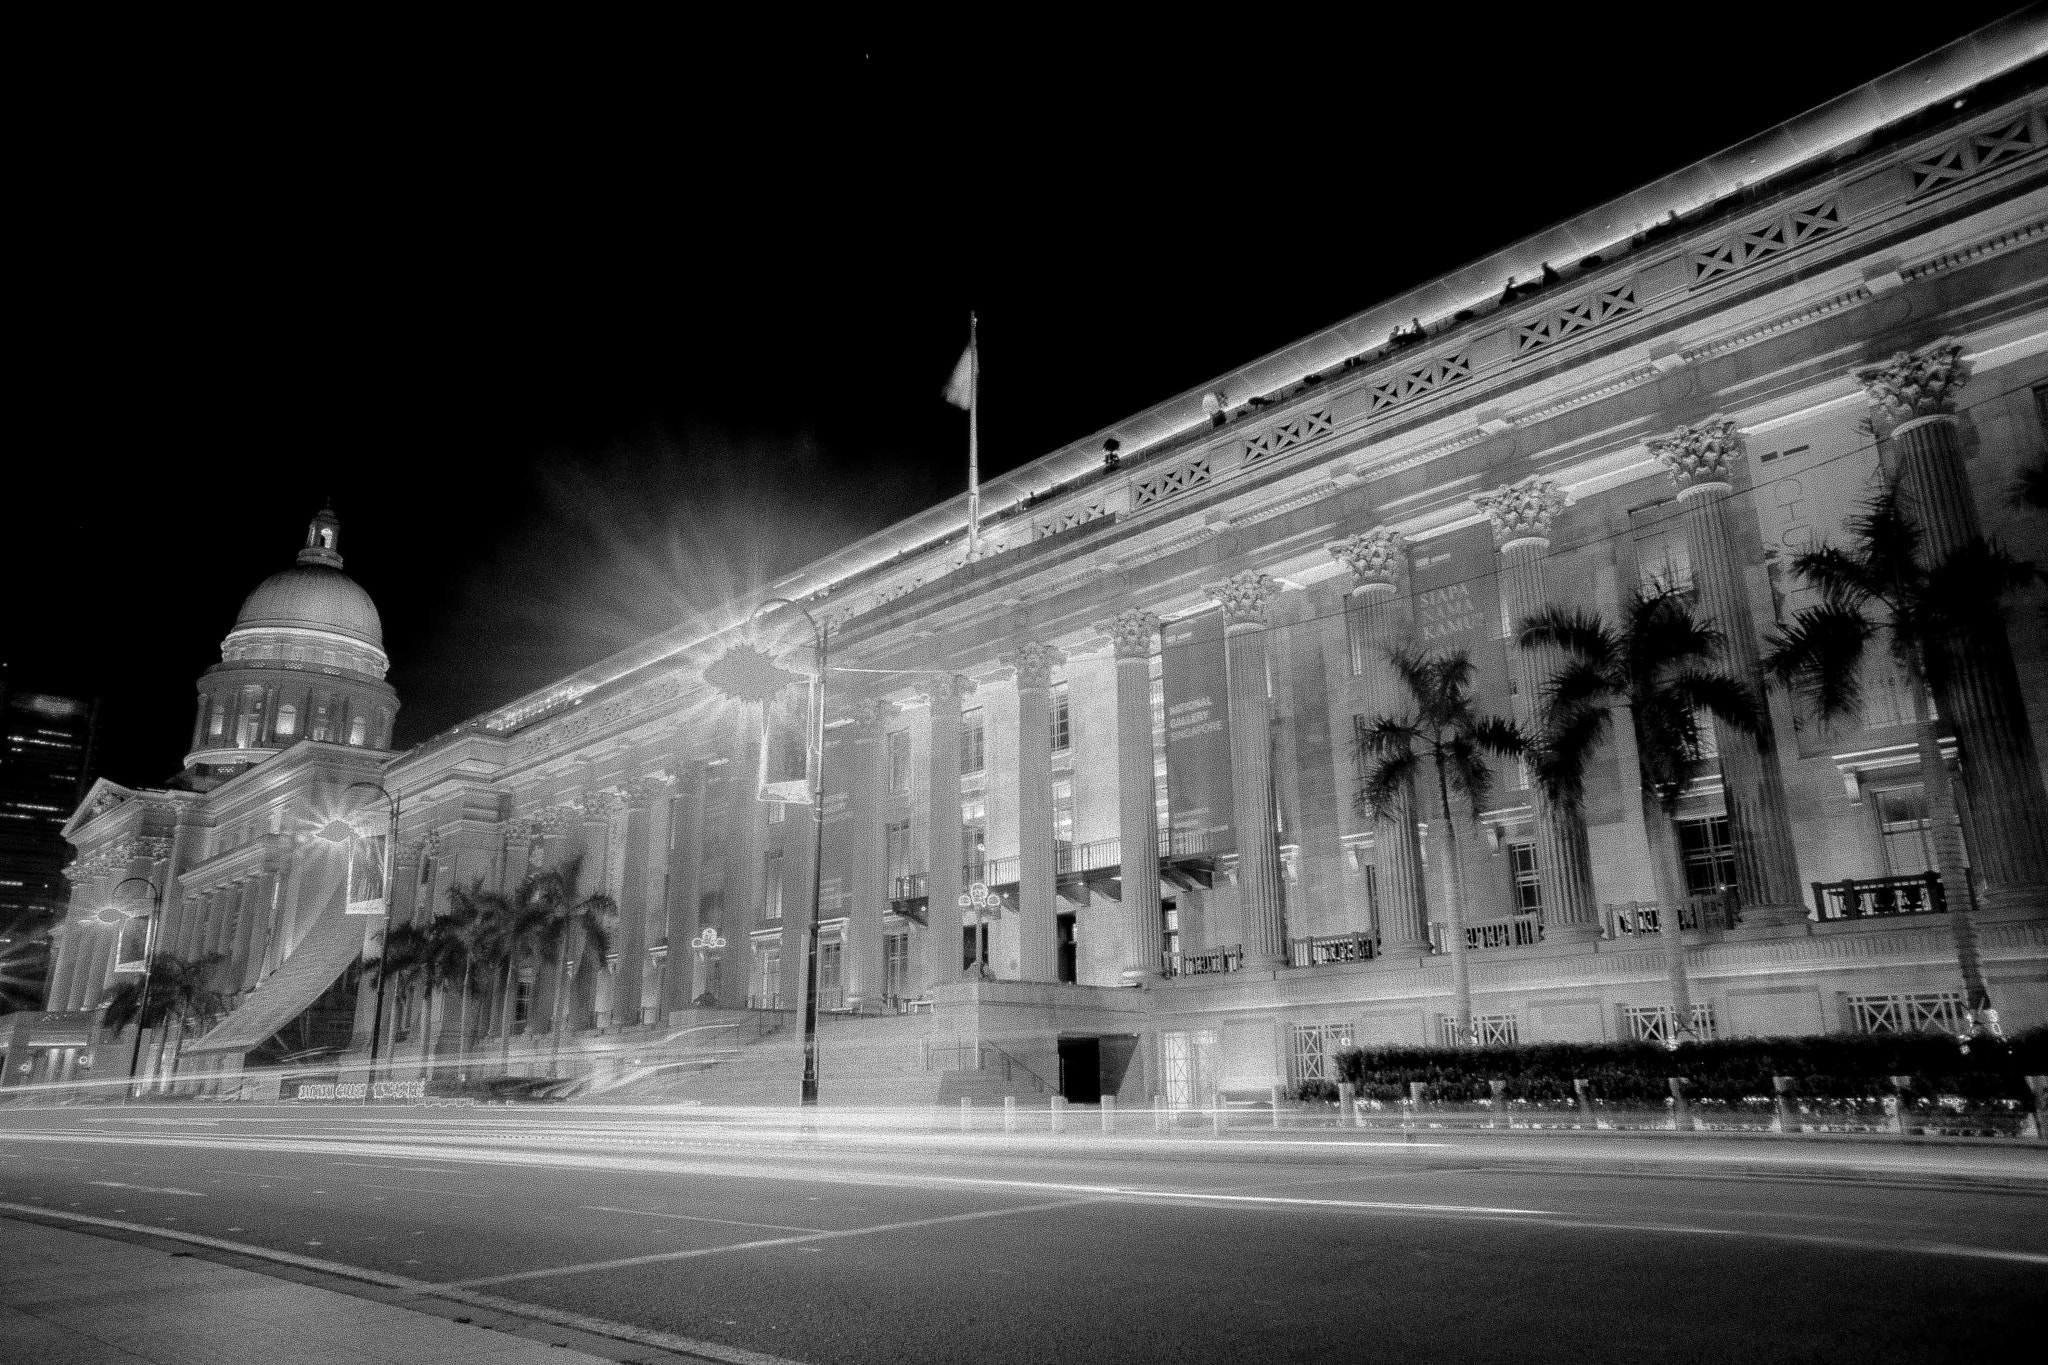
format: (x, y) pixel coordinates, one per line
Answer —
(1132, 630)
(154, 847)
(1920, 383)
(1522, 511)
(1179, 479)
(1374, 557)
(1245, 597)
(1582, 314)
(1034, 662)
(1702, 454)
(1439, 373)
(602, 716)
(1978, 151)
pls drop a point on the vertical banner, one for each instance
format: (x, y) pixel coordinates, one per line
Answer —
(1456, 590)
(785, 750)
(1198, 787)
(835, 892)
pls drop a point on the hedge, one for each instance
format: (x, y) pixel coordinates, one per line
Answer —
(1839, 1069)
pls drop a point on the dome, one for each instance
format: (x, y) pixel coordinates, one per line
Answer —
(313, 597)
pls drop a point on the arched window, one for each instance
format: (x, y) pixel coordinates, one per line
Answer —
(217, 726)
(287, 721)
(356, 728)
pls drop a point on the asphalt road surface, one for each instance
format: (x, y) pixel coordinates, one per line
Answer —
(844, 1250)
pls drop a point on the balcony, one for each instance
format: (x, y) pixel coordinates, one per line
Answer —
(1516, 931)
(1205, 962)
(1321, 952)
(1081, 868)
(1192, 856)
(1881, 897)
(1712, 910)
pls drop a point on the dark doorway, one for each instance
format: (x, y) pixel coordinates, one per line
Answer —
(1070, 962)
(1081, 1070)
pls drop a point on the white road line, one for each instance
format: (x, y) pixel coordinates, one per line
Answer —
(699, 1218)
(146, 1189)
(421, 1189)
(261, 1175)
(618, 1331)
(660, 1257)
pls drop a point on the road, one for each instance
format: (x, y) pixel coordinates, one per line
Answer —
(903, 1248)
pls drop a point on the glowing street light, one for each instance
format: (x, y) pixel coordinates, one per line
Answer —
(987, 906)
(746, 673)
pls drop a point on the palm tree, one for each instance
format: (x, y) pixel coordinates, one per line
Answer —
(509, 928)
(1876, 586)
(1658, 664)
(468, 932)
(1445, 730)
(574, 926)
(180, 991)
(436, 956)
(398, 963)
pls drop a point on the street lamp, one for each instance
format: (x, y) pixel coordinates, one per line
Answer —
(156, 907)
(746, 673)
(986, 905)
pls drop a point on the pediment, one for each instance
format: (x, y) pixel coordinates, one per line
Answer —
(104, 796)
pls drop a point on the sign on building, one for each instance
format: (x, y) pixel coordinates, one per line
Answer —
(1198, 786)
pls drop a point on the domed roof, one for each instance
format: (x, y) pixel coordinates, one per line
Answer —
(313, 597)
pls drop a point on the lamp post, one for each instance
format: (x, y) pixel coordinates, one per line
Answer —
(986, 905)
(156, 909)
(747, 674)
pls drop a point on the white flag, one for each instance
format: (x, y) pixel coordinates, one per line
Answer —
(960, 388)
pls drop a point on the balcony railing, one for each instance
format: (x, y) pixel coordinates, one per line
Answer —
(1204, 962)
(1321, 952)
(1193, 843)
(1706, 910)
(993, 872)
(1880, 897)
(914, 886)
(1087, 857)
(1517, 931)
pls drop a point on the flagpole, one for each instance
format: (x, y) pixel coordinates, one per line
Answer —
(973, 439)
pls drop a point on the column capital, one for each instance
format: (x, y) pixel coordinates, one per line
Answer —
(642, 792)
(1522, 511)
(600, 806)
(1374, 557)
(1034, 661)
(1920, 383)
(945, 689)
(1245, 597)
(1699, 456)
(554, 820)
(155, 847)
(1132, 630)
(869, 714)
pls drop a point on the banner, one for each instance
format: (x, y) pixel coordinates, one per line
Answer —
(1198, 786)
(366, 875)
(1457, 607)
(835, 890)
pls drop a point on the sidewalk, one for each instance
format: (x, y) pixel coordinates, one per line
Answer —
(70, 1298)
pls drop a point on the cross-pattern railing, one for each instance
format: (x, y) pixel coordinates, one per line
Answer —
(1880, 897)
(912, 886)
(1205, 961)
(1320, 952)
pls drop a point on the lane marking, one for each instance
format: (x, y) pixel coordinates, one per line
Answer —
(618, 1331)
(659, 1257)
(699, 1218)
(146, 1189)
(261, 1175)
(421, 1189)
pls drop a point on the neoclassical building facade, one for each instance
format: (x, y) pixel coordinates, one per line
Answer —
(1092, 798)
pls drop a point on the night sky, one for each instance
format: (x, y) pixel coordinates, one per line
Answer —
(577, 330)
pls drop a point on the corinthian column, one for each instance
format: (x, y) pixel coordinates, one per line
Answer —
(1700, 460)
(942, 834)
(1375, 559)
(1980, 692)
(600, 873)
(868, 897)
(1245, 597)
(1521, 515)
(1038, 949)
(1133, 630)
(679, 988)
(633, 991)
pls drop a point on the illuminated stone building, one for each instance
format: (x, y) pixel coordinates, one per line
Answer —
(1130, 718)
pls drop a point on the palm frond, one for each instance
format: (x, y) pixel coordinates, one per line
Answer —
(1580, 634)
(1718, 695)
(1387, 782)
(1820, 657)
(1563, 754)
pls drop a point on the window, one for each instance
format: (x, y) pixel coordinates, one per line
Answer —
(897, 846)
(249, 720)
(1929, 1012)
(1169, 925)
(358, 730)
(973, 749)
(771, 884)
(287, 721)
(1708, 853)
(899, 760)
(522, 997)
(1664, 563)
(1062, 719)
(1063, 811)
(218, 725)
(767, 993)
(1187, 1067)
(974, 832)
(831, 987)
(1315, 1051)
(1902, 820)
(1528, 881)
(896, 966)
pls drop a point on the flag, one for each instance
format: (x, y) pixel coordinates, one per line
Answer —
(960, 388)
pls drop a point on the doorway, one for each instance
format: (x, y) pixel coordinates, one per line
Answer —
(1081, 1070)
(1070, 959)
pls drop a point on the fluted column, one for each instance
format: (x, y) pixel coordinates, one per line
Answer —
(1376, 559)
(264, 909)
(600, 873)
(1038, 957)
(63, 966)
(1133, 630)
(93, 982)
(1980, 693)
(1521, 515)
(630, 987)
(679, 986)
(1245, 597)
(1700, 461)
(248, 905)
(942, 837)
(867, 896)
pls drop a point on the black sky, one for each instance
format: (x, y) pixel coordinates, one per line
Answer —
(574, 328)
